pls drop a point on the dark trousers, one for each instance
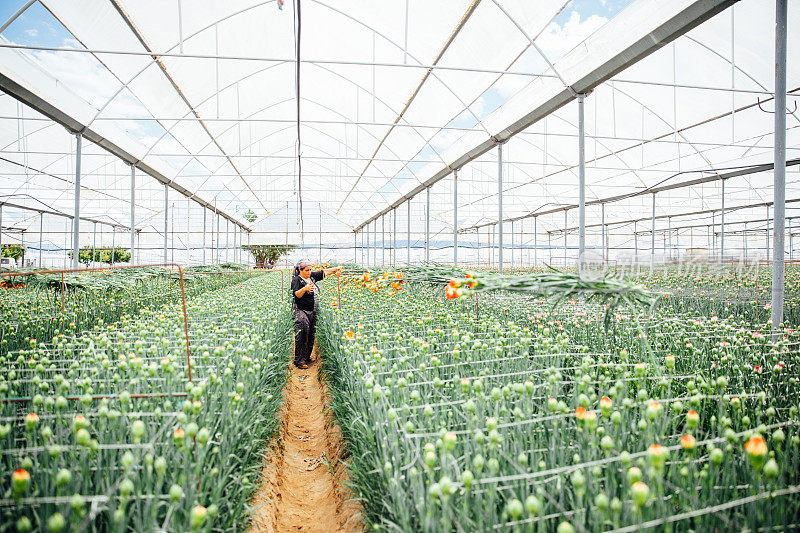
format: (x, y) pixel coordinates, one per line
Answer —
(304, 325)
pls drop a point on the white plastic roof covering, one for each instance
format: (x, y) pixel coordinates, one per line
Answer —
(216, 113)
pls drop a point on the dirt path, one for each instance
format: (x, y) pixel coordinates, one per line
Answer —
(303, 479)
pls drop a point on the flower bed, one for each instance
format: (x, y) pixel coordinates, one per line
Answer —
(103, 430)
(506, 413)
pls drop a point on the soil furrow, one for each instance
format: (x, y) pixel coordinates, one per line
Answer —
(303, 484)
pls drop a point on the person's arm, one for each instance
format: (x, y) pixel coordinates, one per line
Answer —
(301, 292)
(298, 293)
(332, 270)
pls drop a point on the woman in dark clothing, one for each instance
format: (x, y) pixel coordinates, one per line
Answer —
(304, 291)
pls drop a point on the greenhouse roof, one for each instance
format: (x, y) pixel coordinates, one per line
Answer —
(392, 98)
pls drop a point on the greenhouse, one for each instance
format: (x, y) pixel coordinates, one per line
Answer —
(454, 265)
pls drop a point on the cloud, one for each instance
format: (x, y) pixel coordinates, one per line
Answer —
(32, 32)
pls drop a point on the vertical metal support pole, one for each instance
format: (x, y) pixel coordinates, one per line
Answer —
(455, 217)
(791, 242)
(204, 235)
(408, 231)
(603, 231)
(133, 213)
(383, 240)
(653, 233)
(188, 212)
(565, 237)
(500, 207)
(428, 225)
(512, 244)
(722, 226)
(535, 241)
(669, 233)
(779, 179)
(635, 242)
(76, 221)
(166, 220)
(744, 239)
(320, 233)
(113, 243)
(227, 240)
(355, 247)
(1, 231)
(94, 242)
(767, 246)
(394, 237)
(581, 186)
(375, 242)
(41, 228)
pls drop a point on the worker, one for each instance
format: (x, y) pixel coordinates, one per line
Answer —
(306, 297)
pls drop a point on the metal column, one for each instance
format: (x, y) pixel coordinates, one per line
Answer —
(535, 241)
(166, 220)
(653, 233)
(427, 225)
(204, 235)
(779, 185)
(355, 247)
(722, 226)
(76, 221)
(500, 207)
(565, 237)
(408, 231)
(512, 244)
(581, 186)
(767, 247)
(41, 222)
(455, 217)
(227, 240)
(94, 242)
(188, 213)
(133, 211)
(1, 231)
(394, 237)
(603, 231)
(383, 240)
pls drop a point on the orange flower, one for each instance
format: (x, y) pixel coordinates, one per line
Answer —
(454, 283)
(398, 275)
(452, 292)
(605, 402)
(688, 442)
(580, 412)
(350, 335)
(366, 277)
(756, 446)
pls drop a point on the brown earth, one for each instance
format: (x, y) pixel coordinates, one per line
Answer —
(303, 484)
